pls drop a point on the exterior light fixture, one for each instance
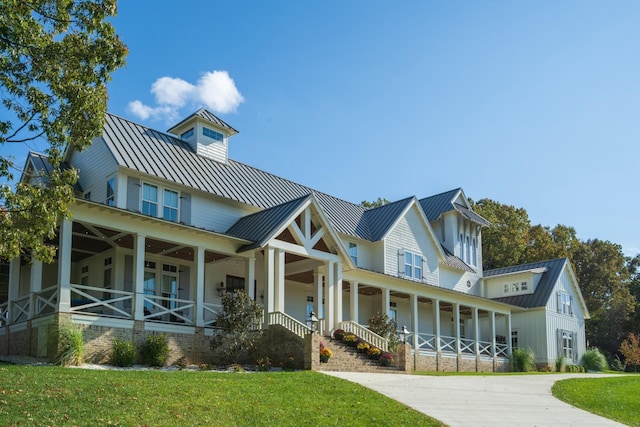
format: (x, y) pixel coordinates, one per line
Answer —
(404, 333)
(314, 321)
(221, 289)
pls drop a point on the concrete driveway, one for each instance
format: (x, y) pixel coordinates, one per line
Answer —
(496, 400)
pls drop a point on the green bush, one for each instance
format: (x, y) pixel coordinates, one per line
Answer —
(123, 353)
(155, 350)
(70, 345)
(559, 363)
(593, 360)
(523, 360)
(574, 369)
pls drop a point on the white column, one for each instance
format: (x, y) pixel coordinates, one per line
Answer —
(279, 277)
(138, 276)
(14, 285)
(35, 284)
(328, 298)
(436, 323)
(492, 319)
(353, 302)
(456, 325)
(64, 267)
(476, 331)
(199, 286)
(250, 275)
(337, 293)
(268, 282)
(386, 297)
(508, 337)
(415, 320)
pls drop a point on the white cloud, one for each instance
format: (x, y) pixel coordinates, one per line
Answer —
(215, 90)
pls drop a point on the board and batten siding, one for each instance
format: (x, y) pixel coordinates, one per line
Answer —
(410, 234)
(532, 333)
(95, 165)
(214, 214)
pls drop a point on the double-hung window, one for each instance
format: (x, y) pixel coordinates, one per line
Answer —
(170, 202)
(564, 303)
(111, 192)
(412, 266)
(353, 253)
(566, 343)
(149, 199)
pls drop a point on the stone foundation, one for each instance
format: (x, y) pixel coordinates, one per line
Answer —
(451, 362)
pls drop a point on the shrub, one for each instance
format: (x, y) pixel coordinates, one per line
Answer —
(204, 366)
(236, 367)
(338, 334)
(616, 364)
(386, 327)
(181, 363)
(386, 359)
(593, 360)
(574, 369)
(290, 364)
(350, 339)
(155, 350)
(70, 345)
(363, 347)
(374, 353)
(523, 360)
(263, 364)
(559, 363)
(123, 353)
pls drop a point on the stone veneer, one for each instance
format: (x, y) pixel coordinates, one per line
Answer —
(451, 362)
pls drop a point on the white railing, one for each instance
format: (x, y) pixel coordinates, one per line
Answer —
(448, 344)
(484, 347)
(82, 301)
(502, 350)
(4, 314)
(210, 313)
(166, 309)
(425, 341)
(467, 345)
(20, 309)
(366, 334)
(45, 301)
(288, 322)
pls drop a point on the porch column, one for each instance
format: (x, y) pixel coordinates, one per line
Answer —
(337, 293)
(268, 282)
(456, 325)
(138, 277)
(492, 319)
(14, 286)
(328, 298)
(353, 302)
(250, 274)
(476, 331)
(200, 286)
(386, 297)
(508, 337)
(415, 320)
(436, 323)
(64, 267)
(279, 277)
(317, 300)
(35, 284)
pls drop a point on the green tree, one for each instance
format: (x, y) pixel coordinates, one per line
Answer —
(374, 204)
(56, 59)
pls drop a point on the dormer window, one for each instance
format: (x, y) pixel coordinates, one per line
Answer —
(188, 134)
(210, 133)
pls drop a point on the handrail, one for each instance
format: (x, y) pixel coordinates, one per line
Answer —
(109, 303)
(366, 334)
(288, 322)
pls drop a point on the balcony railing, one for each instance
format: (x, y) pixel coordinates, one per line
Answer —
(110, 302)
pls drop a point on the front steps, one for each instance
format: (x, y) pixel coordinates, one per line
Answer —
(347, 359)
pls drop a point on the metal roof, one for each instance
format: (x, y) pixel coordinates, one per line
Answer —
(209, 116)
(42, 167)
(380, 219)
(453, 261)
(545, 286)
(471, 215)
(436, 205)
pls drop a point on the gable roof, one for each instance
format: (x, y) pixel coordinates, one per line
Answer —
(544, 290)
(435, 206)
(209, 116)
(42, 167)
(380, 219)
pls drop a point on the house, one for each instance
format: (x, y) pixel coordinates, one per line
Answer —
(166, 223)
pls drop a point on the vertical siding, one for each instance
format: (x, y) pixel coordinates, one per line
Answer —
(532, 333)
(95, 164)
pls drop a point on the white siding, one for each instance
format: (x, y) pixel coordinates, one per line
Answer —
(532, 333)
(214, 214)
(456, 280)
(95, 165)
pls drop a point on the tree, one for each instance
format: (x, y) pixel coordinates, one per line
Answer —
(56, 58)
(630, 349)
(375, 203)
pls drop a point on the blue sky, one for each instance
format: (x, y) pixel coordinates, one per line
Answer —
(532, 104)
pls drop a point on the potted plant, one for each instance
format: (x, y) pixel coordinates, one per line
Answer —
(338, 334)
(350, 339)
(386, 359)
(325, 353)
(374, 353)
(363, 347)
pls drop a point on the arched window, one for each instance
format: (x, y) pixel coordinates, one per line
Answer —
(467, 250)
(474, 253)
(461, 247)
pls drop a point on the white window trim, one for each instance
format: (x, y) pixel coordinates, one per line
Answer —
(413, 266)
(160, 203)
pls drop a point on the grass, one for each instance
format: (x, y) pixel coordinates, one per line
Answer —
(613, 398)
(40, 396)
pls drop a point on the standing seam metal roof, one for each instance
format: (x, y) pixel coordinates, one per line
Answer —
(436, 205)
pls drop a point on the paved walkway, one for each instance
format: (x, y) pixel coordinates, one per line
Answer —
(496, 400)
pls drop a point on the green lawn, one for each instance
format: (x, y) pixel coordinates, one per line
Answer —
(41, 396)
(614, 398)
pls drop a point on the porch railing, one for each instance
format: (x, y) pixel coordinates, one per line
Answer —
(4, 314)
(288, 322)
(211, 313)
(366, 334)
(484, 347)
(467, 345)
(45, 301)
(502, 350)
(82, 301)
(425, 341)
(448, 344)
(166, 309)
(20, 309)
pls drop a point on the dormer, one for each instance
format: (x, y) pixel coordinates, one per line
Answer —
(207, 134)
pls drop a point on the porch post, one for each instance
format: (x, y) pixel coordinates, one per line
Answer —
(35, 284)
(456, 326)
(199, 286)
(492, 318)
(476, 331)
(385, 301)
(353, 302)
(317, 300)
(415, 320)
(508, 337)
(436, 323)
(138, 281)
(337, 293)
(64, 267)
(279, 277)
(328, 297)
(14, 285)
(250, 274)
(268, 282)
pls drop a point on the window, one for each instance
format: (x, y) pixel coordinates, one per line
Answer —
(523, 286)
(188, 134)
(111, 192)
(461, 247)
(149, 284)
(393, 311)
(149, 199)
(564, 303)
(169, 285)
(310, 309)
(412, 265)
(353, 252)
(474, 253)
(566, 344)
(467, 250)
(170, 201)
(212, 134)
(514, 339)
(234, 284)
